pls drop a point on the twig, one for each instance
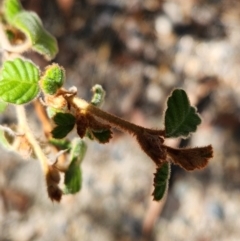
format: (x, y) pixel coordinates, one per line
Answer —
(41, 113)
(23, 125)
(82, 105)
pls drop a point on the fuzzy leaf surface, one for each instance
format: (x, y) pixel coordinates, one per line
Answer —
(180, 118)
(103, 136)
(152, 146)
(65, 123)
(42, 41)
(52, 79)
(191, 158)
(19, 81)
(98, 95)
(73, 179)
(31, 25)
(161, 181)
(11, 8)
(73, 176)
(78, 150)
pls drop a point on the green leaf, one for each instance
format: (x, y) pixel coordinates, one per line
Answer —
(42, 41)
(161, 181)
(65, 123)
(11, 8)
(61, 144)
(61, 131)
(73, 176)
(64, 119)
(31, 25)
(98, 95)
(3, 106)
(78, 150)
(73, 179)
(180, 118)
(19, 81)
(52, 79)
(51, 111)
(103, 136)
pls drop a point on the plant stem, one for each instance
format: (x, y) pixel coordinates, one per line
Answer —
(82, 105)
(114, 120)
(22, 121)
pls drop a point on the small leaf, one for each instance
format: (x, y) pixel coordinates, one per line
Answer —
(73, 179)
(60, 132)
(42, 41)
(191, 158)
(161, 181)
(19, 81)
(82, 124)
(73, 176)
(103, 136)
(31, 25)
(61, 144)
(52, 79)
(180, 118)
(52, 181)
(98, 95)
(64, 119)
(65, 123)
(152, 145)
(11, 8)
(78, 150)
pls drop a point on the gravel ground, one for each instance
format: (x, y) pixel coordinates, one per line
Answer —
(138, 51)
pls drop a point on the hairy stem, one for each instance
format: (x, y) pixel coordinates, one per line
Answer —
(41, 113)
(23, 125)
(117, 122)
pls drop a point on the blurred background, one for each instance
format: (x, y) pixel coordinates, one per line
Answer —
(139, 51)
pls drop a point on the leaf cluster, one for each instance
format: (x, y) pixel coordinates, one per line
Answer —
(181, 119)
(30, 24)
(21, 82)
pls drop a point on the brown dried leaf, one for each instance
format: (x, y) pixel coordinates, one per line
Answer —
(191, 158)
(152, 146)
(54, 193)
(82, 125)
(52, 180)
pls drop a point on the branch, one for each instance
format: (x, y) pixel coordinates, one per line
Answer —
(23, 125)
(81, 105)
(50, 172)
